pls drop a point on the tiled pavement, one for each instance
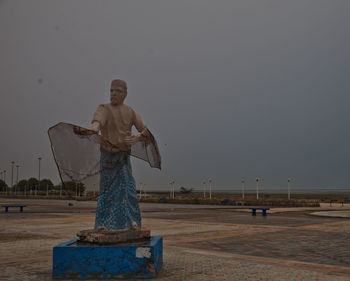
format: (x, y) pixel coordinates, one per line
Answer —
(301, 245)
(198, 245)
(181, 265)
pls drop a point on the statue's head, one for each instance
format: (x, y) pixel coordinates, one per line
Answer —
(118, 92)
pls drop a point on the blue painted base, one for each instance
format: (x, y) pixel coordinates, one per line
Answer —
(72, 261)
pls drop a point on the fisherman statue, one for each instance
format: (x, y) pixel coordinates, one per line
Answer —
(118, 214)
(117, 247)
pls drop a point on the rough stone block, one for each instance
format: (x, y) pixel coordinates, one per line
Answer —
(103, 236)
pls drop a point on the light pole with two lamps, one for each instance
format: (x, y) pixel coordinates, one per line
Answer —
(12, 163)
(209, 181)
(289, 180)
(243, 185)
(39, 159)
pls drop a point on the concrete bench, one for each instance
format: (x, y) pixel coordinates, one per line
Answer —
(262, 209)
(344, 201)
(13, 206)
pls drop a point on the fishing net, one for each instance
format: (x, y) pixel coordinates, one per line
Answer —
(79, 152)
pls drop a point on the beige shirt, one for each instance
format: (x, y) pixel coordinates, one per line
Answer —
(116, 122)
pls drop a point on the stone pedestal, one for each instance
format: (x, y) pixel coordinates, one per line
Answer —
(102, 236)
(72, 260)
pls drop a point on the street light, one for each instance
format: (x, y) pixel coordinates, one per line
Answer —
(12, 163)
(173, 188)
(289, 188)
(17, 166)
(144, 190)
(39, 158)
(209, 181)
(243, 182)
(170, 189)
(204, 187)
(5, 181)
(140, 190)
(257, 188)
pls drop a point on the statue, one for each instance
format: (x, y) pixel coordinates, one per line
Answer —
(85, 154)
(117, 206)
(117, 247)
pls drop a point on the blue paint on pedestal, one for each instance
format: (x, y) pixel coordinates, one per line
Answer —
(74, 261)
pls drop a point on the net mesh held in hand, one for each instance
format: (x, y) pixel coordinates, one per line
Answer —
(77, 152)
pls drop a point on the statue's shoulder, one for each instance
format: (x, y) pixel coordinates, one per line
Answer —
(102, 107)
(128, 108)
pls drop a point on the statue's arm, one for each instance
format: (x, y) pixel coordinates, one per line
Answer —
(95, 126)
(84, 132)
(130, 140)
(140, 127)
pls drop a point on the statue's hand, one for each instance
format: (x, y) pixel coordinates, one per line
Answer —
(130, 140)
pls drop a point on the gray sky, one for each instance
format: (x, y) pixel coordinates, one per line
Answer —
(230, 89)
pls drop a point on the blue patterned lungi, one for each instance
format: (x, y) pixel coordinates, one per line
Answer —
(117, 205)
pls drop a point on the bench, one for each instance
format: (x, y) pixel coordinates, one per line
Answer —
(226, 201)
(332, 201)
(344, 201)
(263, 211)
(10, 206)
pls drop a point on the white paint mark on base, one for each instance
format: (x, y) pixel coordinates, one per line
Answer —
(143, 252)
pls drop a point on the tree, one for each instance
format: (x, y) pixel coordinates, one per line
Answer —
(45, 183)
(57, 187)
(22, 184)
(3, 186)
(33, 183)
(71, 187)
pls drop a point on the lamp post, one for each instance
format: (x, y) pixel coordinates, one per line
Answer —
(144, 190)
(289, 188)
(204, 188)
(257, 188)
(5, 181)
(140, 190)
(17, 166)
(209, 181)
(39, 159)
(173, 189)
(12, 163)
(243, 183)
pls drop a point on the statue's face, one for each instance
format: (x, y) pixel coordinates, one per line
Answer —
(117, 95)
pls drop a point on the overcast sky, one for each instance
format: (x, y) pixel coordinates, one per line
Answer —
(230, 89)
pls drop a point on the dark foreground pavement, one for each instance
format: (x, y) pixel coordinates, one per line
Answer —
(200, 243)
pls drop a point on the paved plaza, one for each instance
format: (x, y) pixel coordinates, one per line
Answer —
(200, 242)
